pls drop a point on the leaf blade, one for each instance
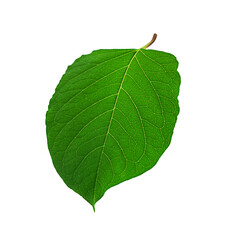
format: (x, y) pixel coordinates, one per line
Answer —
(98, 118)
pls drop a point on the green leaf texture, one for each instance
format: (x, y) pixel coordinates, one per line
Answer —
(111, 117)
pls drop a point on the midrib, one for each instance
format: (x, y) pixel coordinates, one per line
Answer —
(111, 119)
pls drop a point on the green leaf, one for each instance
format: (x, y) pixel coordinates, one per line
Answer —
(111, 117)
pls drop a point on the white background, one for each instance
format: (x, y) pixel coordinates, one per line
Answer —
(187, 194)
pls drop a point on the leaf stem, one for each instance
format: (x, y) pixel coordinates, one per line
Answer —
(151, 42)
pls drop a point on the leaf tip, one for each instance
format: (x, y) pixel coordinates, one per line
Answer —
(94, 207)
